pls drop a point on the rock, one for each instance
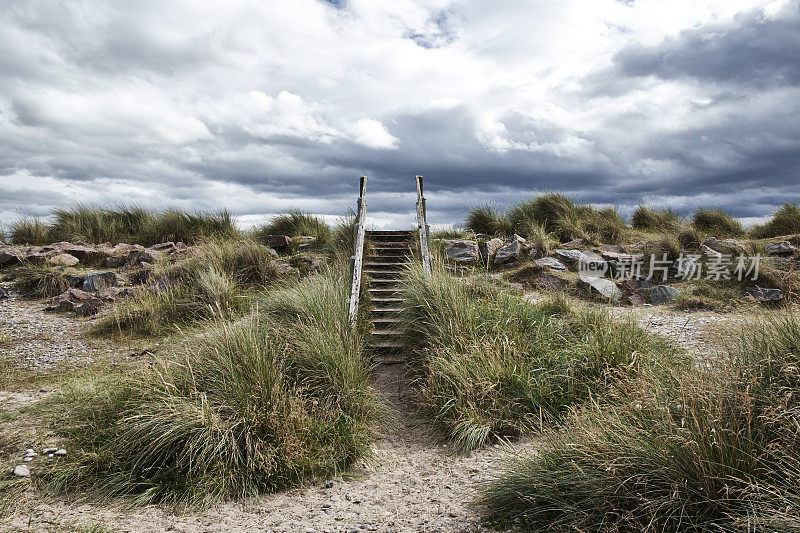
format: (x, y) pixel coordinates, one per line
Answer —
(272, 252)
(285, 269)
(89, 307)
(763, 294)
(37, 257)
(549, 282)
(615, 248)
(725, 246)
(519, 239)
(509, 252)
(143, 274)
(605, 287)
(636, 299)
(75, 280)
(137, 257)
(48, 451)
(28, 459)
(630, 285)
(551, 262)
(308, 262)
(85, 253)
(482, 236)
(777, 248)
(3, 293)
(21, 471)
(124, 249)
(114, 261)
(571, 245)
(306, 246)
(99, 281)
(68, 300)
(661, 294)
(277, 241)
(163, 247)
(63, 259)
(572, 256)
(490, 247)
(180, 247)
(8, 258)
(61, 452)
(461, 251)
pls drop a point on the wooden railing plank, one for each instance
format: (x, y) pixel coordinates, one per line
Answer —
(424, 229)
(357, 260)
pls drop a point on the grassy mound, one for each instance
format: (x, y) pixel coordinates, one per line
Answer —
(295, 223)
(785, 221)
(483, 218)
(124, 224)
(211, 282)
(40, 281)
(27, 230)
(259, 406)
(707, 450)
(491, 365)
(717, 222)
(654, 219)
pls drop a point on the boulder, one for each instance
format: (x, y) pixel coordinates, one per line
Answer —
(602, 286)
(8, 258)
(114, 261)
(551, 262)
(162, 284)
(124, 248)
(37, 257)
(636, 299)
(549, 282)
(85, 253)
(99, 281)
(75, 280)
(285, 269)
(763, 294)
(63, 259)
(489, 248)
(68, 300)
(143, 274)
(615, 248)
(661, 294)
(461, 251)
(89, 307)
(277, 241)
(510, 252)
(775, 248)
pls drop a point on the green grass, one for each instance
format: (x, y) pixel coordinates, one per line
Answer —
(717, 222)
(484, 218)
(491, 365)
(707, 450)
(211, 282)
(124, 224)
(40, 281)
(257, 406)
(295, 223)
(785, 221)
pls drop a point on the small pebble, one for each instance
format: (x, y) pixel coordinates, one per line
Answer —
(27, 459)
(21, 471)
(62, 451)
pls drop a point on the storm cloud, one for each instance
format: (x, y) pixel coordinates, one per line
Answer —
(259, 107)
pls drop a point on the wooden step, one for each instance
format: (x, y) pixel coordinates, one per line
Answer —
(384, 320)
(386, 310)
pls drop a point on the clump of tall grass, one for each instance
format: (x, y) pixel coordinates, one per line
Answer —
(655, 219)
(40, 281)
(210, 282)
(492, 365)
(125, 224)
(484, 218)
(29, 230)
(258, 406)
(785, 221)
(295, 222)
(706, 450)
(717, 222)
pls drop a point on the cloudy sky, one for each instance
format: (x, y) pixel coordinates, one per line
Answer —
(259, 106)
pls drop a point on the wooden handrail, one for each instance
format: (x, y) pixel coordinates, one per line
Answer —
(424, 229)
(357, 260)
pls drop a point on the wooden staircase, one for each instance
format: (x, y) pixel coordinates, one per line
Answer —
(388, 254)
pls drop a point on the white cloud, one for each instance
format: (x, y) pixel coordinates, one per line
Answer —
(372, 134)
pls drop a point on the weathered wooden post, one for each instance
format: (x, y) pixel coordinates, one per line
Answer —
(424, 229)
(357, 260)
